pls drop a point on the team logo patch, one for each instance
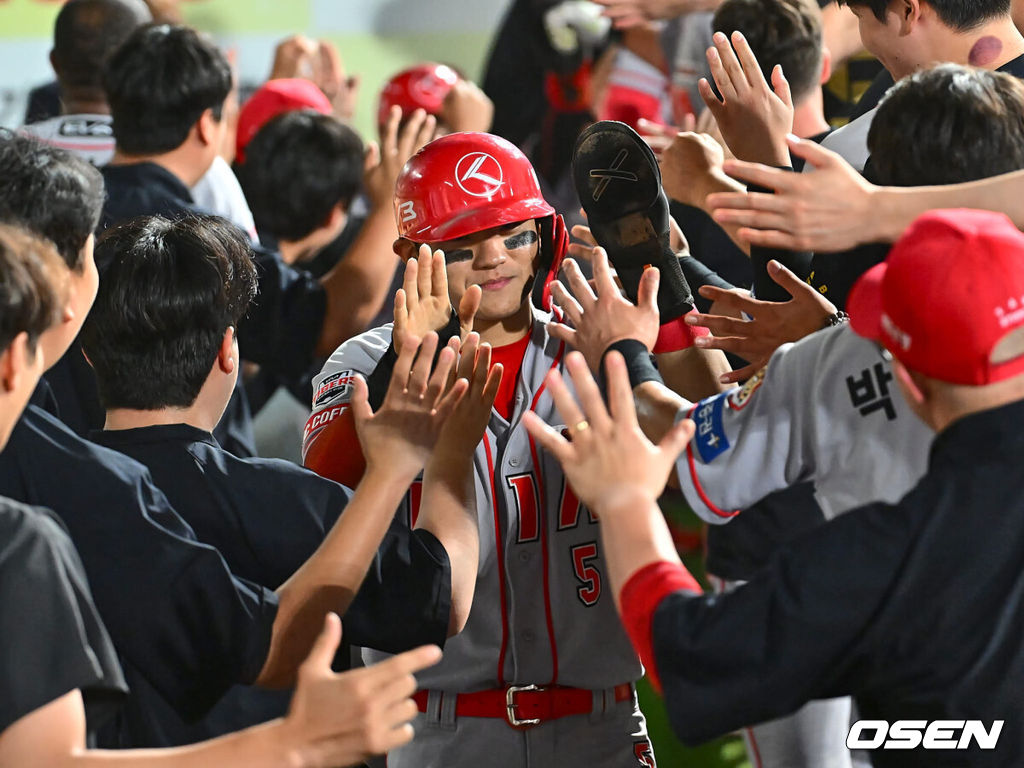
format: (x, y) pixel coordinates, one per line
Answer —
(334, 386)
(710, 438)
(739, 398)
(478, 174)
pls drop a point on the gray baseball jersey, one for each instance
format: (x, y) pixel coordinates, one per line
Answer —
(542, 613)
(825, 409)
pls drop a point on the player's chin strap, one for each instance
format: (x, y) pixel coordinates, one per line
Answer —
(554, 244)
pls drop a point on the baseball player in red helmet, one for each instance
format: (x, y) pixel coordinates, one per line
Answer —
(542, 671)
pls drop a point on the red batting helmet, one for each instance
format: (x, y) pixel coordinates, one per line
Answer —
(424, 86)
(468, 182)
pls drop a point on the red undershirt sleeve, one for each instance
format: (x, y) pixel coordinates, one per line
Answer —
(640, 597)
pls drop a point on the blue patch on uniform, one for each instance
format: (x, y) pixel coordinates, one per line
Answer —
(710, 437)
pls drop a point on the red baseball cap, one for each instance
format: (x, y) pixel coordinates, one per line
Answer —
(424, 86)
(949, 293)
(273, 98)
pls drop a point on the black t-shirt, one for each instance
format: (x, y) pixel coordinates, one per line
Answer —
(53, 640)
(915, 609)
(148, 189)
(178, 617)
(267, 517)
(283, 324)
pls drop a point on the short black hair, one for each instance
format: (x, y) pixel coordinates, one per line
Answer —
(86, 34)
(158, 84)
(961, 15)
(948, 125)
(30, 294)
(168, 292)
(49, 192)
(297, 168)
(786, 32)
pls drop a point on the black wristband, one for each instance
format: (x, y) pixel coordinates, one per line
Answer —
(639, 363)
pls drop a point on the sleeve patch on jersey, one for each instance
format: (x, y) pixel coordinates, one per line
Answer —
(739, 398)
(334, 386)
(710, 437)
(321, 419)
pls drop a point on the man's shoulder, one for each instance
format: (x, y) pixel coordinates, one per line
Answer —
(358, 355)
(20, 524)
(851, 141)
(276, 476)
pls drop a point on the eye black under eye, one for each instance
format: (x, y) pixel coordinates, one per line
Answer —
(520, 240)
(453, 257)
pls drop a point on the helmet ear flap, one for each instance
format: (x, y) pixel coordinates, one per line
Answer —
(554, 243)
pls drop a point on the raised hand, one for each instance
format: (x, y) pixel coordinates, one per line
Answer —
(827, 210)
(422, 303)
(599, 320)
(607, 459)
(342, 719)
(691, 168)
(401, 434)
(464, 428)
(467, 108)
(772, 324)
(384, 163)
(754, 119)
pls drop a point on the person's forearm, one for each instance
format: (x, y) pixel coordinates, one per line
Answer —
(898, 207)
(329, 580)
(633, 535)
(448, 512)
(717, 181)
(261, 746)
(657, 408)
(54, 736)
(692, 372)
(358, 285)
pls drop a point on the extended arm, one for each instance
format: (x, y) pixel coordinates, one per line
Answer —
(333, 720)
(448, 506)
(833, 208)
(396, 441)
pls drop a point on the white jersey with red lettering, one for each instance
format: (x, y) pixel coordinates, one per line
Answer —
(542, 613)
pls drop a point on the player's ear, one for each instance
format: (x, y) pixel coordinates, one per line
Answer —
(226, 353)
(337, 217)
(826, 65)
(405, 248)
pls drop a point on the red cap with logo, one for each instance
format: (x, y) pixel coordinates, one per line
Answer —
(467, 182)
(424, 86)
(949, 293)
(272, 99)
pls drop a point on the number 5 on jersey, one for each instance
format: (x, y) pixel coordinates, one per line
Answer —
(589, 590)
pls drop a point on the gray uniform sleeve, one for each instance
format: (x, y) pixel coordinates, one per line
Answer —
(824, 410)
(750, 441)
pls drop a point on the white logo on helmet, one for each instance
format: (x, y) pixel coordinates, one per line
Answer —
(478, 174)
